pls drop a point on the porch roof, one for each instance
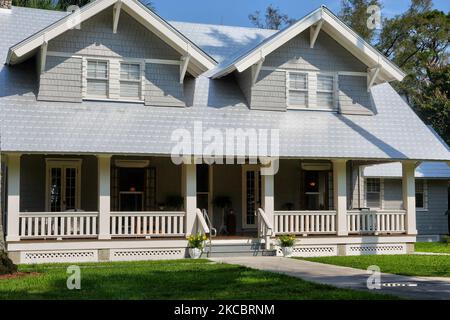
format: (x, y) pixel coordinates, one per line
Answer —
(434, 170)
(28, 125)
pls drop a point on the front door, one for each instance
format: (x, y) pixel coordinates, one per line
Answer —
(63, 185)
(251, 195)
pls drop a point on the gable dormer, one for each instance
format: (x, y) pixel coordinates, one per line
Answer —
(316, 64)
(113, 50)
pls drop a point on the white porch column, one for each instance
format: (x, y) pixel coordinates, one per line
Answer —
(189, 174)
(104, 196)
(268, 196)
(13, 197)
(340, 195)
(409, 196)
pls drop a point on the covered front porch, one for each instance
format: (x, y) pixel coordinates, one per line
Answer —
(113, 207)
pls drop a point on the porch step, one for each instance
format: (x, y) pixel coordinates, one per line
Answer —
(250, 249)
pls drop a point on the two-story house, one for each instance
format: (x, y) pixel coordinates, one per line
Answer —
(92, 103)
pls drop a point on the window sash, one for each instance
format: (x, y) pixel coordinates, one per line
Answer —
(130, 80)
(373, 193)
(97, 78)
(293, 91)
(93, 71)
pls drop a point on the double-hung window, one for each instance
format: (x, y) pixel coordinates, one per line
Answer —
(97, 78)
(373, 193)
(297, 90)
(421, 194)
(325, 91)
(130, 80)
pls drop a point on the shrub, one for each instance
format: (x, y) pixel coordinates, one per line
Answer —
(446, 239)
(286, 240)
(197, 240)
(6, 265)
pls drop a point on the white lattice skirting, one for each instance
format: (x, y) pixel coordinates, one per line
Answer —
(147, 254)
(30, 257)
(363, 249)
(312, 251)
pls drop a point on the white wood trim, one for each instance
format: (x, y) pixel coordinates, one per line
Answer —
(116, 15)
(372, 75)
(183, 67)
(333, 26)
(143, 15)
(245, 169)
(314, 33)
(119, 58)
(43, 56)
(256, 69)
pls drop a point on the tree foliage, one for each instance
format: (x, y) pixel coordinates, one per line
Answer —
(62, 5)
(273, 19)
(354, 14)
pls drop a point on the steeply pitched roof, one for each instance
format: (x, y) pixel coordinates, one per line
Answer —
(436, 170)
(329, 23)
(28, 125)
(148, 18)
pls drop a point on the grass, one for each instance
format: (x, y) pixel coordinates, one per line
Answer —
(180, 279)
(437, 247)
(409, 265)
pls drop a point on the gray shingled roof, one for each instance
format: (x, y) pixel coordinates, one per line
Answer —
(435, 170)
(27, 125)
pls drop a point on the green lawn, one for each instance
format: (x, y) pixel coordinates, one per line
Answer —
(410, 265)
(437, 247)
(181, 279)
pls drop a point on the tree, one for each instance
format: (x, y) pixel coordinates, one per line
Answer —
(62, 5)
(273, 19)
(354, 14)
(65, 4)
(38, 4)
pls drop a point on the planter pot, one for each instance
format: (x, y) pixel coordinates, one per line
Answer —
(287, 251)
(195, 253)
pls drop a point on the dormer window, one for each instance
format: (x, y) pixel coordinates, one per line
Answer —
(130, 80)
(297, 90)
(325, 91)
(97, 78)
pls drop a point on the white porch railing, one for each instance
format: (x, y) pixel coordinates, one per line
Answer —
(305, 222)
(58, 225)
(263, 226)
(148, 224)
(382, 221)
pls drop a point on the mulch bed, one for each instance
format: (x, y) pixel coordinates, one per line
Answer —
(18, 275)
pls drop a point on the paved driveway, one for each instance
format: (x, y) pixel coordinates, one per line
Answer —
(344, 277)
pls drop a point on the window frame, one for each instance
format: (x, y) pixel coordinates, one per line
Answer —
(424, 195)
(332, 91)
(288, 89)
(380, 182)
(107, 79)
(139, 81)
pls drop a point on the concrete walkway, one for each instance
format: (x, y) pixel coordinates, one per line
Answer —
(344, 277)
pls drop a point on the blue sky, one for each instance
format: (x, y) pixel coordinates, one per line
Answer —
(235, 12)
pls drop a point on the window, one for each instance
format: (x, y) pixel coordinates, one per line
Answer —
(325, 91)
(373, 193)
(298, 89)
(420, 194)
(130, 80)
(97, 78)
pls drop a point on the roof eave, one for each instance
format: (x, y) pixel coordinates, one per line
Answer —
(153, 21)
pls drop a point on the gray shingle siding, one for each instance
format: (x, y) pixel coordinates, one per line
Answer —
(62, 80)
(96, 37)
(327, 55)
(353, 95)
(163, 87)
(393, 198)
(269, 92)
(434, 221)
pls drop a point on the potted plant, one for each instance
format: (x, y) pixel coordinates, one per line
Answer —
(196, 243)
(287, 244)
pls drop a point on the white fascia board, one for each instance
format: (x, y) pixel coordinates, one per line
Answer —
(376, 57)
(278, 41)
(151, 21)
(166, 33)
